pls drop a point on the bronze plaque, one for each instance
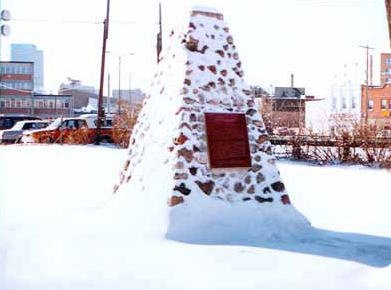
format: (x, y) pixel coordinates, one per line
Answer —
(228, 144)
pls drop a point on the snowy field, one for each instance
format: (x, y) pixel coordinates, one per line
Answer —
(62, 228)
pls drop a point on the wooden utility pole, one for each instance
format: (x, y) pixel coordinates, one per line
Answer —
(119, 85)
(159, 44)
(365, 104)
(101, 117)
(388, 11)
(108, 94)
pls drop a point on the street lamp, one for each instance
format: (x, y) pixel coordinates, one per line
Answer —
(119, 77)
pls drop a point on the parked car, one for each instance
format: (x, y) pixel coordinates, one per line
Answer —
(15, 133)
(62, 128)
(8, 121)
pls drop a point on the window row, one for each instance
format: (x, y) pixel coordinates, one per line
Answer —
(16, 69)
(384, 104)
(353, 103)
(40, 104)
(17, 85)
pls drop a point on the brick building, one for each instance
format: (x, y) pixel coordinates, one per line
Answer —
(17, 93)
(377, 106)
(286, 108)
(385, 68)
(16, 87)
(376, 100)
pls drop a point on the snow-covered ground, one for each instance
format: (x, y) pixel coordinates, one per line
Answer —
(62, 228)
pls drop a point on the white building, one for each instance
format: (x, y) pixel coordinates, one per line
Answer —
(345, 91)
(29, 52)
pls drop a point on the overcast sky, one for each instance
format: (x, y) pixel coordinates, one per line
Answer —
(313, 39)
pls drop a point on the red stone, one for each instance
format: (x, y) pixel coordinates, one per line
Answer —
(127, 163)
(181, 139)
(206, 187)
(262, 138)
(175, 200)
(220, 52)
(212, 68)
(192, 44)
(285, 199)
(187, 154)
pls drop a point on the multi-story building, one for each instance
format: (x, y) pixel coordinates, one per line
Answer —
(85, 98)
(16, 87)
(17, 93)
(345, 92)
(376, 100)
(376, 104)
(52, 106)
(30, 53)
(385, 68)
(286, 108)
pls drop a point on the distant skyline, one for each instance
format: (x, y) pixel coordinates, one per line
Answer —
(313, 39)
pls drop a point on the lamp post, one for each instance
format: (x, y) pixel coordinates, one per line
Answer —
(119, 77)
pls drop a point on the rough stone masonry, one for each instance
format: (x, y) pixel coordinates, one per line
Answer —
(201, 73)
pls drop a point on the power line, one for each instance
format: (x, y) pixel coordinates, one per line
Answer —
(64, 21)
(334, 3)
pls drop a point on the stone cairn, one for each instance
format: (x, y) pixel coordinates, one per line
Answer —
(200, 72)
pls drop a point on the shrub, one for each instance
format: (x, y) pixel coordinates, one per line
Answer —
(124, 123)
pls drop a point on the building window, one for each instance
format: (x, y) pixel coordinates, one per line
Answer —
(2, 104)
(334, 104)
(66, 105)
(18, 105)
(388, 61)
(370, 105)
(383, 104)
(354, 104)
(344, 106)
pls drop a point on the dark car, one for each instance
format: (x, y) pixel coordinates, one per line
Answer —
(8, 121)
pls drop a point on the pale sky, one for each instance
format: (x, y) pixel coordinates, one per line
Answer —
(313, 39)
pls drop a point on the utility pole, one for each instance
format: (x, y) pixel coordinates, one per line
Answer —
(365, 104)
(119, 85)
(159, 35)
(108, 93)
(100, 118)
(130, 87)
(388, 11)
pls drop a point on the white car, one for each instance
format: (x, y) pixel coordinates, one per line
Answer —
(14, 134)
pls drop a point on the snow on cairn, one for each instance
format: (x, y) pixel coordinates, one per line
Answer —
(169, 156)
